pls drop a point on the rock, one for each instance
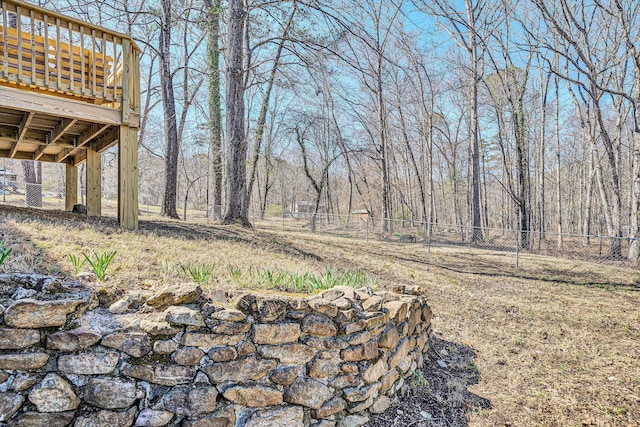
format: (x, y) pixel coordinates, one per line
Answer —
(185, 293)
(376, 319)
(324, 367)
(24, 361)
(16, 339)
(3, 377)
(332, 294)
(107, 419)
(344, 381)
(350, 368)
(223, 418)
(380, 404)
(308, 392)
(373, 303)
(330, 343)
(229, 315)
(353, 327)
(88, 363)
(53, 394)
(188, 356)
(353, 421)
(362, 406)
(181, 315)
(241, 370)
(375, 371)
(291, 354)
(74, 340)
(366, 351)
(210, 340)
(323, 306)
(35, 419)
(168, 375)
(342, 304)
(358, 338)
(397, 310)
(229, 328)
(270, 309)
(388, 380)
(254, 396)
(134, 344)
(122, 305)
(153, 418)
(346, 316)
(278, 333)
(110, 393)
(283, 375)
(189, 402)
(331, 407)
(30, 313)
(246, 348)
(389, 338)
(298, 304)
(222, 354)
(9, 405)
(158, 327)
(290, 416)
(22, 382)
(247, 303)
(318, 325)
(401, 352)
(165, 347)
(361, 394)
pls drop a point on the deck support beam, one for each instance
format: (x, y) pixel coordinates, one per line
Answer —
(128, 178)
(71, 187)
(94, 183)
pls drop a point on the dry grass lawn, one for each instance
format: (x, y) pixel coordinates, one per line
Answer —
(557, 341)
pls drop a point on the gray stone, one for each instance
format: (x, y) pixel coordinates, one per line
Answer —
(389, 338)
(323, 306)
(88, 363)
(24, 361)
(110, 393)
(380, 404)
(353, 327)
(331, 407)
(74, 340)
(361, 394)
(318, 325)
(22, 381)
(253, 396)
(290, 416)
(181, 315)
(366, 351)
(210, 340)
(229, 315)
(246, 348)
(283, 375)
(158, 327)
(324, 367)
(16, 339)
(9, 405)
(229, 328)
(165, 347)
(223, 354)
(188, 356)
(241, 370)
(35, 419)
(291, 354)
(308, 392)
(353, 421)
(270, 309)
(278, 333)
(345, 381)
(222, 418)
(168, 375)
(134, 344)
(401, 352)
(185, 293)
(375, 371)
(53, 394)
(107, 419)
(191, 402)
(29, 313)
(154, 418)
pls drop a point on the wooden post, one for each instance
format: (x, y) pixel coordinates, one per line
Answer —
(71, 187)
(128, 178)
(94, 183)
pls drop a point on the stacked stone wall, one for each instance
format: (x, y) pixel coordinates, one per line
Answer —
(70, 357)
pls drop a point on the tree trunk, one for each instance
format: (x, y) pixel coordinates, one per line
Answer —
(558, 168)
(215, 114)
(172, 147)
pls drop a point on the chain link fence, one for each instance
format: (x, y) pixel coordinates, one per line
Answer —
(20, 193)
(362, 226)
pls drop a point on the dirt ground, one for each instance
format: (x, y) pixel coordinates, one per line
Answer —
(553, 343)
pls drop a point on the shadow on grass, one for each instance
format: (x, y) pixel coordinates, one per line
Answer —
(437, 395)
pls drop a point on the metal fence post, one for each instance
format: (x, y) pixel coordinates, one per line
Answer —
(517, 250)
(429, 238)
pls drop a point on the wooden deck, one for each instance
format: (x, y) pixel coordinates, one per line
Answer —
(68, 91)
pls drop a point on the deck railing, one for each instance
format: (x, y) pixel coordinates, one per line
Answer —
(43, 50)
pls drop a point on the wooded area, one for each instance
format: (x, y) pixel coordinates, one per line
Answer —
(515, 114)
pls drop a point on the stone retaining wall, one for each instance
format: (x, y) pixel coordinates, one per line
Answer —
(180, 357)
